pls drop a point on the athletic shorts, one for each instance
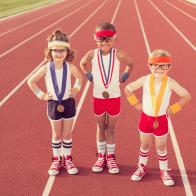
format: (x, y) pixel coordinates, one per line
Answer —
(110, 106)
(146, 125)
(69, 112)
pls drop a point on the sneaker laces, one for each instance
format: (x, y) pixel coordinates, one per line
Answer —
(166, 175)
(140, 170)
(100, 161)
(111, 161)
(68, 163)
(56, 162)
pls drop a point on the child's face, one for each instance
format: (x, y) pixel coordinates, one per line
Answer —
(159, 69)
(59, 53)
(105, 43)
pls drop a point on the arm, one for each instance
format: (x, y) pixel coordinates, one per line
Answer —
(78, 83)
(185, 97)
(124, 59)
(129, 92)
(86, 60)
(33, 86)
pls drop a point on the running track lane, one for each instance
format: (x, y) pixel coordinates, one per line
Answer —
(82, 145)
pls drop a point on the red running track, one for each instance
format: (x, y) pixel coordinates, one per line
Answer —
(25, 131)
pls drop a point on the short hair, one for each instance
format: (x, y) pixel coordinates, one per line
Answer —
(159, 52)
(105, 26)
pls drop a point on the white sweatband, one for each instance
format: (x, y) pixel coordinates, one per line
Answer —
(77, 84)
(39, 93)
(58, 43)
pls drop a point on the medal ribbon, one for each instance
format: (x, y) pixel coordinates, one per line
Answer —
(106, 78)
(156, 101)
(54, 81)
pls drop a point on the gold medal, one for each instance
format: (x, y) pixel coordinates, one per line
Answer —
(105, 94)
(60, 108)
(155, 124)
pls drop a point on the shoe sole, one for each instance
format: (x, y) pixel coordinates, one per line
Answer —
(139, 178)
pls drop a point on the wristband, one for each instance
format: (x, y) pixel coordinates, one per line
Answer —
(175, 108)
(124, 76)
(78, 85)
(132, 99)
(39, 93)
(89, 76)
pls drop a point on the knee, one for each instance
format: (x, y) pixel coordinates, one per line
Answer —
(145, 146)
(160, 147)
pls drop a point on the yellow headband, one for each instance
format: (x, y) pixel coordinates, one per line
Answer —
(58, 43)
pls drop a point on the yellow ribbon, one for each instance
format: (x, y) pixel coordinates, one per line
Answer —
(156, 101)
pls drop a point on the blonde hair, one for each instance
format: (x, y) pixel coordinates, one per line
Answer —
(159, 52)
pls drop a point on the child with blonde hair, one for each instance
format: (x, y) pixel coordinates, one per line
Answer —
(155, 108)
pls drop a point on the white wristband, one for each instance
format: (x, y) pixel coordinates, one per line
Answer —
(39, 93)
(78, 84)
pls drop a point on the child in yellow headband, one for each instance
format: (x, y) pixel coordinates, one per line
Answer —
(155, 107)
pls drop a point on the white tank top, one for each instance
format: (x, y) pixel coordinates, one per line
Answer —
(113, 89)
(59, 75)
(147, 102)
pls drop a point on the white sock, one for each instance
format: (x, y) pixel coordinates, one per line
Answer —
(67, 147)
(163, 159)
(101, 147)
(56, 147)
(143, 156)
(110, 148)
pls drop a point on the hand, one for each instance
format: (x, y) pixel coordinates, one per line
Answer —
(138, 106)
(124, 77)
(47, 96)
(89, 76)
(169, 111)
(73, 92)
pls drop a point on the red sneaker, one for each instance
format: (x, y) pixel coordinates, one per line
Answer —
(55, 166)
(111, 164)
(166, 178)
(139, 173)
(69, 165)
(100, 163)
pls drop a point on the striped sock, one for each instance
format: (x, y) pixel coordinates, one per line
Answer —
(101, 147)
(143, 156)
(110, 148)
(56, 147)
(67, 147)
(163, 159)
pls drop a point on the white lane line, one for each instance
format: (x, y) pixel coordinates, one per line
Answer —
(43, 30)
(180, 162)
(36, 19)
(50, 182)
(173, 26)
(3, 101)
(191, 5)
(186, 14)
(29, 11)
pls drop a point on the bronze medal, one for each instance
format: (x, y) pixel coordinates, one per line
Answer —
(155, 124)
(60, 108)
(105, 94)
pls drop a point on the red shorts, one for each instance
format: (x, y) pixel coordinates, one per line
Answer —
(146, 125)
(110, 106)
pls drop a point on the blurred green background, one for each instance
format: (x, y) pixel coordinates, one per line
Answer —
(11, 7)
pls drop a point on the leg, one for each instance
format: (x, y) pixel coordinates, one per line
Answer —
(56, 146)
(67, 146)
(101, 144)
(146, 142)
(160, 143)
(111, 163)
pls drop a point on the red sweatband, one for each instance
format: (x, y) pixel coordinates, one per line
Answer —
(159, 59)
(105, 33)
